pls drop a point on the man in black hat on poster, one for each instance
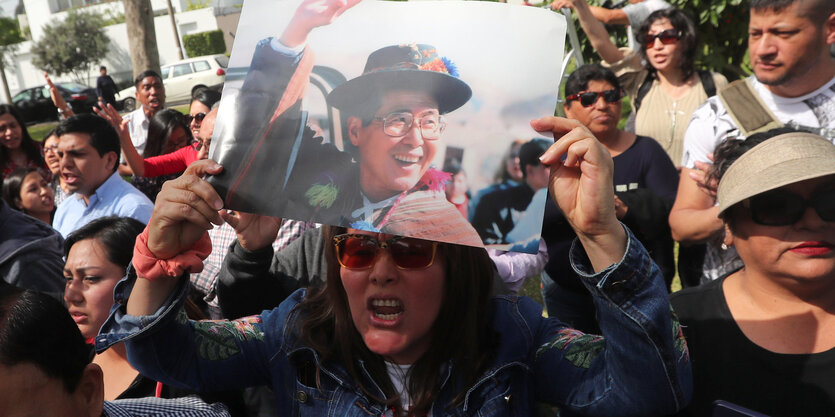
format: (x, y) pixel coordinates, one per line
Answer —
(394, 120)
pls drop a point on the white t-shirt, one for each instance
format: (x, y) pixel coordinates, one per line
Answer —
(399, 375)
(711, 124)
(138, 129)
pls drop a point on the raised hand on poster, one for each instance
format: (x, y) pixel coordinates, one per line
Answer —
(581, 185)
(312, 14)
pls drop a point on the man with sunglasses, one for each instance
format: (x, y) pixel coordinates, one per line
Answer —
(793, 85)
(394, 119)
(645, 182)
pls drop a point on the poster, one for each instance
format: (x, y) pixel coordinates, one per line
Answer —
(352, 114)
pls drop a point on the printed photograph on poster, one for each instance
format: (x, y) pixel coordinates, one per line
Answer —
(400, 117)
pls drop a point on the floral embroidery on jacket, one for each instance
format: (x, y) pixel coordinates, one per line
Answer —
(678, 336)
(580, 348)
(216, 340)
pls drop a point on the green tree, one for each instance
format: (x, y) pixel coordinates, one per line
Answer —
(10, 37)
(73, 46)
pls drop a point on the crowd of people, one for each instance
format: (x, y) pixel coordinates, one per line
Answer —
(123, 276)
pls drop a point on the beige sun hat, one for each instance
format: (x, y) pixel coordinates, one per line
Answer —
(784, 159)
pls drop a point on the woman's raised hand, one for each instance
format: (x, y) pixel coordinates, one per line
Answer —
(581, 184)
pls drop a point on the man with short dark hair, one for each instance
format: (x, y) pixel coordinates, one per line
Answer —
(497, 212)
(46, 367)
(105, 87)
(793, 85)
(89, 152)
(150, 95)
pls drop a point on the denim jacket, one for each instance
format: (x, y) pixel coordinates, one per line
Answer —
(640, 367)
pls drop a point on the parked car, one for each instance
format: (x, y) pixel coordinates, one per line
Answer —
(36, 105)
(184, 79)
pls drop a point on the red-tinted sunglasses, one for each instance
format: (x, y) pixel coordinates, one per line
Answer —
(355, 251)
(666, 37)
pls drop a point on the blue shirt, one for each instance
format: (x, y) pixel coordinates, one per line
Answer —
(115, 197)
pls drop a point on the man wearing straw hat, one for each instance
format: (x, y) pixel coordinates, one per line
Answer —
(394, 120)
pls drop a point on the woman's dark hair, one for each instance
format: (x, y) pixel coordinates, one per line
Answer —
(501, 174)
(579, 79)
(681, 22)
(29, 146)
(207, 97)
(730, 150)
(116, 235)
(160, 128)
(35, 328)
(12, 184)
(461, 333)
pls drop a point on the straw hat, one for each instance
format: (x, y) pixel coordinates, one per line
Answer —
(778, 161)
(409, 67)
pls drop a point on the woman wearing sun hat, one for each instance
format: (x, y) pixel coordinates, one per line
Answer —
(393, 115)
(763, 337)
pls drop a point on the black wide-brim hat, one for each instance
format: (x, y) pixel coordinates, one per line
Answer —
(404, 67)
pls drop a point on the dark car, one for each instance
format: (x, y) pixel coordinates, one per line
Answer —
(36, 105)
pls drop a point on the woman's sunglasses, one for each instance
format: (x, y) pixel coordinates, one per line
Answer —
(783, 208)
(354, 251)
(588, 98)
(666, 37)
(198, 117)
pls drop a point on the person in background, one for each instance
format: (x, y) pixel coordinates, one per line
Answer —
(763, 336)
(26, 190)
(645, 183)
(168, 132)
(53, 162)
(105, 88)
(509, 174)
(150, 94)
(203, 102)
(457, 190)
(793, 84)
(89, 151)
(17, 148)
(52, 375)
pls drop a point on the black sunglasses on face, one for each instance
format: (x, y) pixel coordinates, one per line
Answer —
(666, 37)
(199, 117)
(783, 208)
(355, 251)
(588, 98)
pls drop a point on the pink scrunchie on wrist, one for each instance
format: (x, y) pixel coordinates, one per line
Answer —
(149, 267)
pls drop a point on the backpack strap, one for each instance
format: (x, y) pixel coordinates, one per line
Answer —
(642, 92)
(747, 109)
(707, 82)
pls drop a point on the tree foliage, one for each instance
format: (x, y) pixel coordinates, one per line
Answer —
(722, 27)
(73, 46)
(10, 37)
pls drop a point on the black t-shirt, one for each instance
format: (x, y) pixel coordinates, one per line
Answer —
(730, 367)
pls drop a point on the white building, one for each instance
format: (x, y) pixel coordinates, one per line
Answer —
(221, 14)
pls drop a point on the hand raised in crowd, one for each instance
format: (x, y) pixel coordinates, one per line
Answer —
(254, 231)
(582, 185)
(109, 113)
(57, 98)
(564, 4)
(185, 208)
(310, 15)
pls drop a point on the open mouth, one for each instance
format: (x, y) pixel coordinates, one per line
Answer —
(387, 309)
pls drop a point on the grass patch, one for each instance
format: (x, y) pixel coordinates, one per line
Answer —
(38, 132)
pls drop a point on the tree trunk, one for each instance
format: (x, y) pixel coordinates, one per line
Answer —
(142, 40)
(5, 83)
(174, 29)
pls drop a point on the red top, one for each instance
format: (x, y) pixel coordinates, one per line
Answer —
(170, 163)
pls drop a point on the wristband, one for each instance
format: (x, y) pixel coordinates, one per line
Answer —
(148, 266)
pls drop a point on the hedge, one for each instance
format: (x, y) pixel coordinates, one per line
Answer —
(204, 43)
